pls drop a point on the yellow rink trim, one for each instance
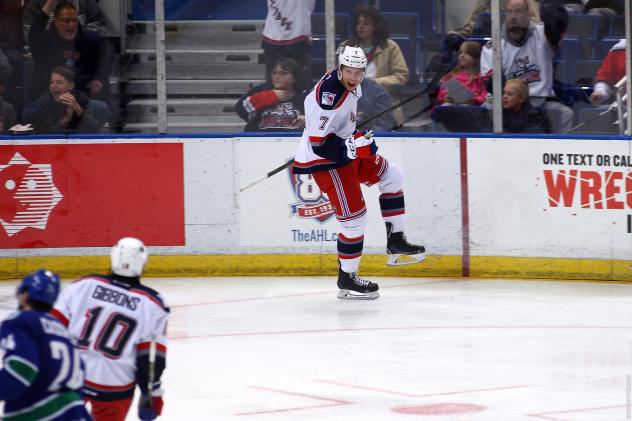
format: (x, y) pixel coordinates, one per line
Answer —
(326, 265)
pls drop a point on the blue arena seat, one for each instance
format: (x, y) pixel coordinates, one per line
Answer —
(342, 25)
(341, 6)
(426, 9)
(603, 46)
(583, 71)
(582, 26)
(408, 49)
(596, 124)
(617, 27)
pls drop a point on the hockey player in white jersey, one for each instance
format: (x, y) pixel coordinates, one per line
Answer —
(340, 158)
(115, 319)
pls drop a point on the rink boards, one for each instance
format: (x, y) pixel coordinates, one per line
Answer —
(483, 207)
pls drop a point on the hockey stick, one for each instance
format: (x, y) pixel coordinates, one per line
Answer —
(596, 116)
(431, 85)
(150, 370)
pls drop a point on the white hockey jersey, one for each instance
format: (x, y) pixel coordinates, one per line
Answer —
(112, 322)
(330, 117)
(288, 21)
(531, 62)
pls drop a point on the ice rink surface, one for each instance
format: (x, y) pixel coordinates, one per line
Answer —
(255, 348)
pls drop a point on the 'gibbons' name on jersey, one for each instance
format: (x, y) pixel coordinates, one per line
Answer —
(115, 297)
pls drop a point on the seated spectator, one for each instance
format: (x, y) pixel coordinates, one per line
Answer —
(89, 14)
(287, 32)
(612, 70)
(519, 116)
(62, 108)
(277, 105)
(65, 43)
(375, 99)
(527, 54)
(386, 63)
(468, 73)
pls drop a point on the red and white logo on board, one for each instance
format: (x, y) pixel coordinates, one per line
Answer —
(29, 194)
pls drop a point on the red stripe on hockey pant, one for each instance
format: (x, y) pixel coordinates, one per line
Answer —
(342, 186)
(110, 410)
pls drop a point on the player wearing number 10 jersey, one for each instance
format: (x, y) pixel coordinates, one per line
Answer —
(114, 319)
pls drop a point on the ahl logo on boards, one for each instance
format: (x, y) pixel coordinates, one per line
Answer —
(28, 195)
(312, 202)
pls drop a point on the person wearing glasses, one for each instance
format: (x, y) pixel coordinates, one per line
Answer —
(65, 43)
(276, 105)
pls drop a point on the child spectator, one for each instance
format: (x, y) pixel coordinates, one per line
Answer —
(519, 116)
(63, 108)
(467, 72)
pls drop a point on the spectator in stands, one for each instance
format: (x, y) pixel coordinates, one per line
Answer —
(468, 73)
(453, 40)
(12, 43)
(65, 43)
(287, 32)
(63, 108)
(467, 85)
(277, 105)
(89, 15)
(386, 63)
(612, 70)
(527, 54)
(375, 99)
(480, 6)
(519, 116)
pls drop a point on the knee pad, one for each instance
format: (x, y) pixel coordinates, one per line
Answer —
(392, 181)
(354, 228)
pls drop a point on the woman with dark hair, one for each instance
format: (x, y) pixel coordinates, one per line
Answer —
(63, 108)
(386, 61)
(277, 105)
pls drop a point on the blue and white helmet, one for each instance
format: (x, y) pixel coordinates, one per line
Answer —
(128, 257)
(42, 286)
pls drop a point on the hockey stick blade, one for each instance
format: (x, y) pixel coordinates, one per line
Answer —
(431, 85)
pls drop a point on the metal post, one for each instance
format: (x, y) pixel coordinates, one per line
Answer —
(161, 69)
(497, 60)
(628, 66)
(330, 33)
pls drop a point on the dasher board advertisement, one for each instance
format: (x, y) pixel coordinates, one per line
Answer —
(90, 195)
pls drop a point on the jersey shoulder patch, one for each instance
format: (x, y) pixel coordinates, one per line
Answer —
(330, 93)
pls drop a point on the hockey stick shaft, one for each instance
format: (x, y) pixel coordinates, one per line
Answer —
(433, 83)
(151, 370)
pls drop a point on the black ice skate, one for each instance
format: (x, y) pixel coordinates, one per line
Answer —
(399, 250)
(352, 287)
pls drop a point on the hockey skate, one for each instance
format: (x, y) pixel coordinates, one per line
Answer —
(399, 250)
(352, 287)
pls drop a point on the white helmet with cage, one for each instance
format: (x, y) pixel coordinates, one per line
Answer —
(351, 57)
(128, 257)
